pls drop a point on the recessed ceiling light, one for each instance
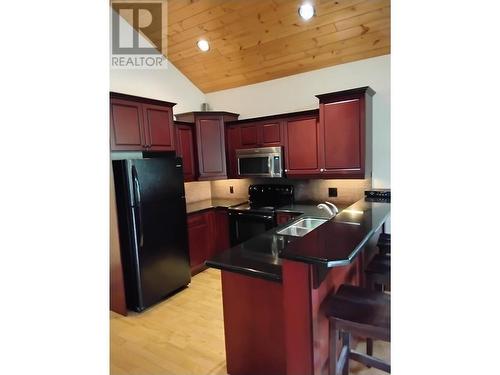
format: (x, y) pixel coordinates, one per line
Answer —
(306, 11)
(203, 45)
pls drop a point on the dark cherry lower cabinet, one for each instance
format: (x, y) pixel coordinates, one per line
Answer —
(221, 230)
(285, 217)
(185, 149)
(211, 141)
(208, 233)
(140, 124)
(199, 231)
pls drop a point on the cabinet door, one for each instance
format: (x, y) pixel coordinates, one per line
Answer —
(199, 239)
(250, 136)
(211, 148)
(233, 143)
(185, 149)
(271, 134)
(341, 136)
(159, 127)
(220, 230)
(302, 153)
(127, 129)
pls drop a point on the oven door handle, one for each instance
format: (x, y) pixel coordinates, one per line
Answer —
(253, 216)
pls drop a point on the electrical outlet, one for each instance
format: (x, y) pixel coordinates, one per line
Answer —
(231, 190)
(332, 192)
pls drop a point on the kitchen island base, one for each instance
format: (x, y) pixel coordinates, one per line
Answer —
(253, 325)
(278, 327)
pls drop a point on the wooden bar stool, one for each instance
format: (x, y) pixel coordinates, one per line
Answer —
(362, 312)
(378, 273)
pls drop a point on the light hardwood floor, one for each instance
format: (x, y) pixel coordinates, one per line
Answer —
(183, 335)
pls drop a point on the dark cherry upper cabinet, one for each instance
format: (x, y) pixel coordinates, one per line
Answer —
(159, 128)
(126, 125)
(185, 145)
(140, 124)
(249, 136)
(211, 142)
(345, 131)
(233, 142)
(261, 134)
(302, 151)
(271, 134)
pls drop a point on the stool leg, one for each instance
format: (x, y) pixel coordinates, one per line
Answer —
(369, 347)
(346, 342)
(334, 335)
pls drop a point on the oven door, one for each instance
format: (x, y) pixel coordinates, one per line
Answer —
(245, 225)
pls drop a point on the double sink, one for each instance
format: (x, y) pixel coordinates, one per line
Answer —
(301, 227)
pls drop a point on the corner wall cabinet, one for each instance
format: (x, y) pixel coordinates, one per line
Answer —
(211, 141)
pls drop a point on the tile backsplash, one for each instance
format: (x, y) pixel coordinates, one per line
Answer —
(348, 191)
(197, 191)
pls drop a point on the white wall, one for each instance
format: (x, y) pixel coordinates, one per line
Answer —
(297, 92)
(167, 84)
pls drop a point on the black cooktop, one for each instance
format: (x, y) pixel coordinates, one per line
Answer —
(249, 207)
(266, 198)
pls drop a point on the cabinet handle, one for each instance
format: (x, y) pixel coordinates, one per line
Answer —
(286, 170)
(321, 170)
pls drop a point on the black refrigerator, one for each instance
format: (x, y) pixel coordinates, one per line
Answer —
(153, 228)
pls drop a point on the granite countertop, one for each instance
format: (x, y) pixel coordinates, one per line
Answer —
(335, 243)
(208, 204)
(338, 241)
(309, 209)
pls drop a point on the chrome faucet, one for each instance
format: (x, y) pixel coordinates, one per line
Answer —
(329, 207)
(334, 208)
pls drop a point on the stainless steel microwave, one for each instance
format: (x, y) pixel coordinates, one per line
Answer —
(260, 162)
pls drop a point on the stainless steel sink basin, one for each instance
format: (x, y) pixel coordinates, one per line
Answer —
(301, 227)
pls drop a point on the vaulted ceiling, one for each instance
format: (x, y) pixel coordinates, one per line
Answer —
(257, 40)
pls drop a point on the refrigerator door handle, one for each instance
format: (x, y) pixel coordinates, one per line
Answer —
(137, 203)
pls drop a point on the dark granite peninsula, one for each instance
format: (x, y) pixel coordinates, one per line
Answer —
(273, 286)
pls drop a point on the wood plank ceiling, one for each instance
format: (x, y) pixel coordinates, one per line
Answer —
(257, 40)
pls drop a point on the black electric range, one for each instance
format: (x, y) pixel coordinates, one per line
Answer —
(258, 215)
